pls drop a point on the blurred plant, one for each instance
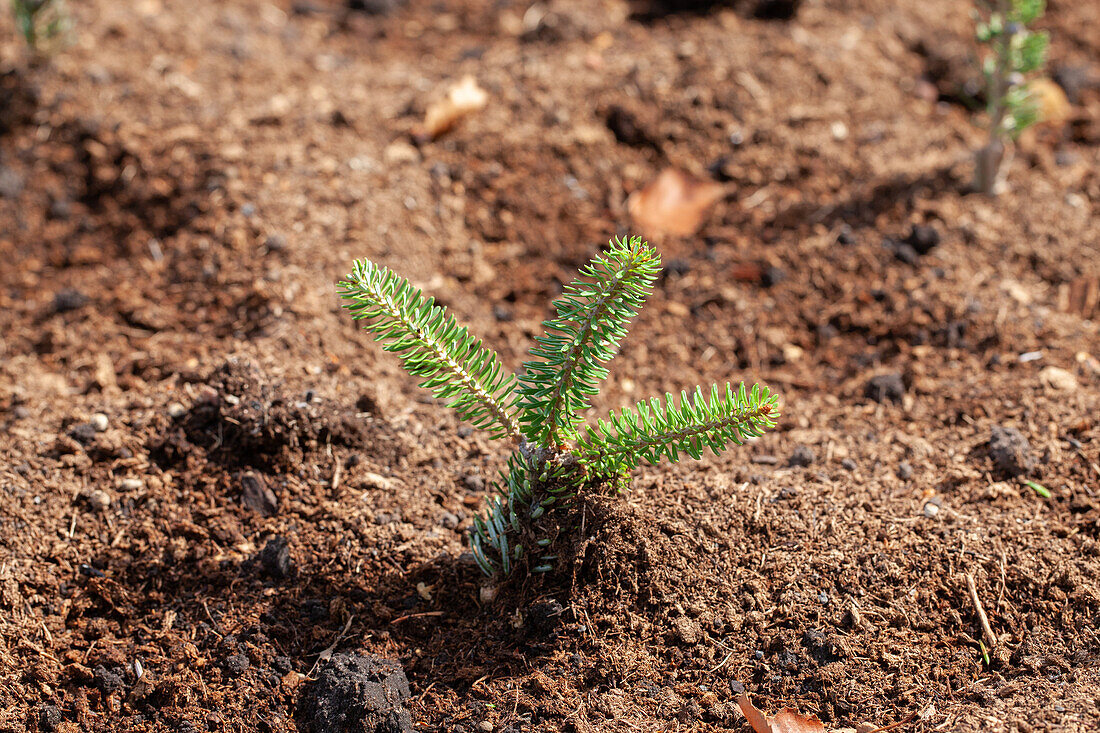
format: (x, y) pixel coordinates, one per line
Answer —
(555, 457)
(1014, 52)
(42, 23)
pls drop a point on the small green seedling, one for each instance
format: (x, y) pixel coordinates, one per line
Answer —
(540, 412)
(1014, 52)
(41, 22)
(1038, 489)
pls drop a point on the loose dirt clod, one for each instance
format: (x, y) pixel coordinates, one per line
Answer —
(275, 558)
(886, 388)
(1010, 452)
(357, 694)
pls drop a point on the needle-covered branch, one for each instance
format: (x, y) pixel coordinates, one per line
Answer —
(553, 461)
(654, 430)
(592, 318)
(454, 365)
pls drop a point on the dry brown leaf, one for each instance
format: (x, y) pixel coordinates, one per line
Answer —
(675, 203)
(1053, 106)
(792, 721)
(462, 99)
(786, 721)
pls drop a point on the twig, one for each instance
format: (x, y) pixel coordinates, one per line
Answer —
(987, 632)
(407, 616)
(721, 664)
(894, 725)
(326, 653)
(336, 476)
(214, 627)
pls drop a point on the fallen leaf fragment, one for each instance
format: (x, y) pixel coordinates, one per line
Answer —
(462, 99)
(786, 721)
(1053, 107)
(675, 203)
(790, 721)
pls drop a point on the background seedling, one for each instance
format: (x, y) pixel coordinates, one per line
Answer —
(1014, 50)
(42, 23)
(540, 412)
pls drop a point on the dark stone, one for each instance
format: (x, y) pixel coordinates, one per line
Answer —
(803, 456)
(357, 694)
(375, 7)
(314, 609)
(776, 9)
(903, 251)
(83, 433)
(1010, 451)
(627, 129)
(108, 680)
(275, 558)
(772, 276)
(502, 313)
(545, 616)
(886, 388)
(236, 664)
(11, 183)
(722, 169)
(60, 209)
(89, 571)
(49, 718)
(845, 236)
(678, 267)
(256, 496)
(922, 238)
(905, 471)
(1073, 80)
(275, 243)
(69, 300)
(367, 402)
(848, 464)
(822, 647)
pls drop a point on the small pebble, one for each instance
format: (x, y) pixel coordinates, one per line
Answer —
(905, 471)
(486, 726)
(82, 433)
(848, 464)
(99, 422)
(448, 520)
(176, 410)
(886, 388)
(236, 664)
(922, 238)
(803, 456)
(931, 509)
(131, 484)
(99, 500)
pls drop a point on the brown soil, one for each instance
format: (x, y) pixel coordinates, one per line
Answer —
(183, 186)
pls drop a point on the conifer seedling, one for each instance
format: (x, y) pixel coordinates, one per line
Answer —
(1014, 52)
(555, 456)
(40, 22)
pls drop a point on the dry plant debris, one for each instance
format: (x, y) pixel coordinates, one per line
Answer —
(463, 99)
(674, 203)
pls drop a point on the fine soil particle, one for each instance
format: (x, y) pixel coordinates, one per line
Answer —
(357, 694)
